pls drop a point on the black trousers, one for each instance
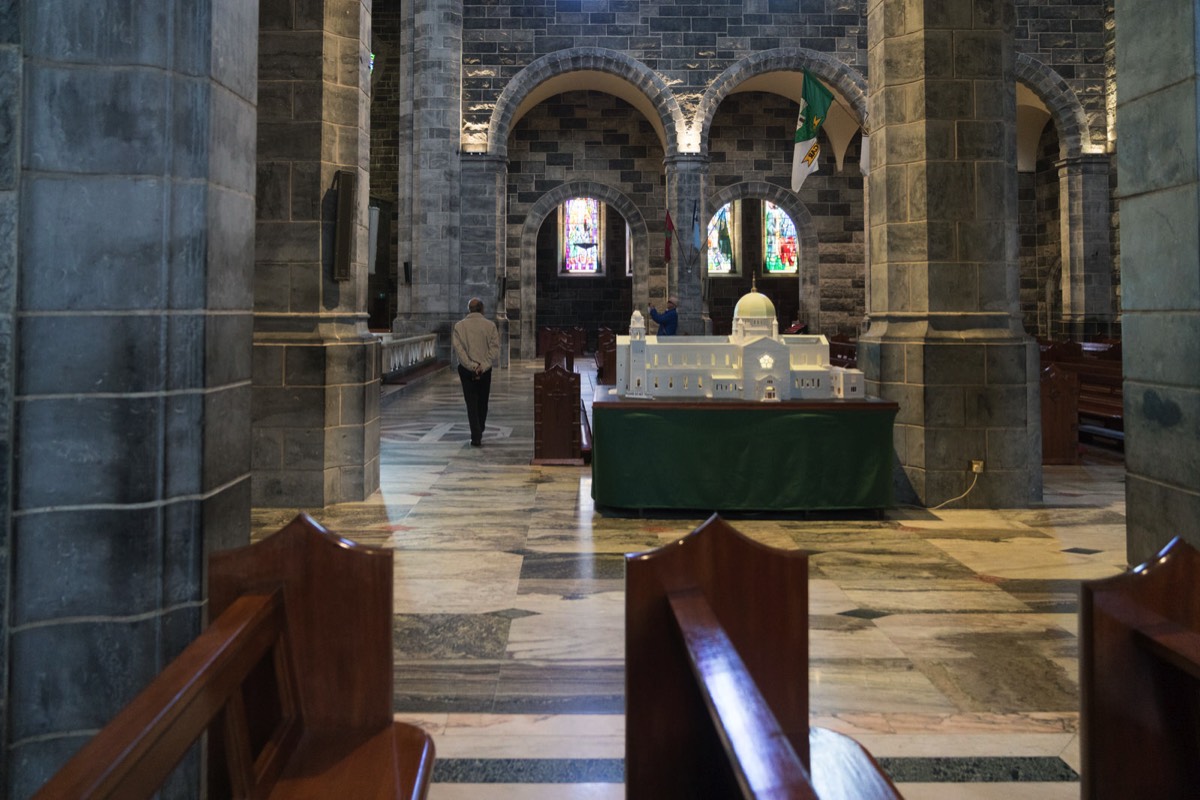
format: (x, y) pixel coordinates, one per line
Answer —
(476, 390)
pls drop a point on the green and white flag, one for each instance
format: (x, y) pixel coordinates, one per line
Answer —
(814, 106)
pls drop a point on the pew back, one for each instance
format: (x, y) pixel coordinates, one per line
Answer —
(716, 666)
(292, 681)
(1139, 675)
(760, 597)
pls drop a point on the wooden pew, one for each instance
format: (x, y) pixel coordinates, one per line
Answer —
(292, 680)
(577, 335)
(1097, 367)
(843, 351)
(716, 678)
(557, 429)
(559, 355)
(606, 357)
(1060, 416)
(1101, 399)
(1139, 677)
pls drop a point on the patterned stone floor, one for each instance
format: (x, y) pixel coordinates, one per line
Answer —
(944, 641)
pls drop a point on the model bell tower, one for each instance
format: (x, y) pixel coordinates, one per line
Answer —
(636, 386)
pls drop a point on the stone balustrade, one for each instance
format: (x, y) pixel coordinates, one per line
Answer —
(399, 355)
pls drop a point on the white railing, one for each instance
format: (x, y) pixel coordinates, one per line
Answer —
(403, 354)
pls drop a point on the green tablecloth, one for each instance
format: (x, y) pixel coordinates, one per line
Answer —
(818, 455)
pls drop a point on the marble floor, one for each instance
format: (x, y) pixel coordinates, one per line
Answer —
(944, 641)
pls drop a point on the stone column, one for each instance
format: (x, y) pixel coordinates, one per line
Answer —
(1084, 221)
(484, 200)
(131, 383)
(1157, 112)
(11, 113)
(429, 192)
(945, 339)
(316, 367)
(687, 178)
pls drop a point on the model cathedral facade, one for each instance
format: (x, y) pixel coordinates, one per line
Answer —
(754, 363)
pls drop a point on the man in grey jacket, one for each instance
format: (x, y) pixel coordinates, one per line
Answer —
(477, 345)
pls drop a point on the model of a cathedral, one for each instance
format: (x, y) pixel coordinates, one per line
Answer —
(754, 363)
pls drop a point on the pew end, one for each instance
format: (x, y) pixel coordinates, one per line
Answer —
(716, 659)
(292, 682)
(1139, 675)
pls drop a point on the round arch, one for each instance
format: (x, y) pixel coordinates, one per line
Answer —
(1066, 112)
(542, 208)
(806, 232)
(846, 81)
(587, 68)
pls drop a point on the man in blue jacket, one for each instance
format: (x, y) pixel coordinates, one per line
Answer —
(668, 321)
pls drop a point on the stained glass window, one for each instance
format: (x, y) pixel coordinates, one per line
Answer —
(721, 241)
(780, 251)
(581, 236)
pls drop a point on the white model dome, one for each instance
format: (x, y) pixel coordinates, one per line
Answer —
(754, 305)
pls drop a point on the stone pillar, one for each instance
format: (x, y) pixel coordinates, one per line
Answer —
(945, 339)
(484, 200)
(429, 190)
(1157, 112)
(316, 367)
(11, 113)
(131, 383)
(1084, 221)
(685, 276)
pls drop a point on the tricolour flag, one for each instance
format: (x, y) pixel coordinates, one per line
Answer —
(814, 106)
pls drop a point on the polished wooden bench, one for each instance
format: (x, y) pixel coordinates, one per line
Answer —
(606, 357)
(557, 411)
(1097, 367)
(1139, 677)
(1060, 415)
(292, 681)
(1101, 400)
(716, 687)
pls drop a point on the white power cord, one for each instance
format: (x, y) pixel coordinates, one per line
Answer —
(974, 480)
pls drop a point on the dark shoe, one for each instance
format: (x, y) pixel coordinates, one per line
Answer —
(476, 444)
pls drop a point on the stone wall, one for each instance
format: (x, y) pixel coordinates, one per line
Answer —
(688, 43)
(1072, 38)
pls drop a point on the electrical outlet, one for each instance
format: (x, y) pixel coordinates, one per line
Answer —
(977, 466)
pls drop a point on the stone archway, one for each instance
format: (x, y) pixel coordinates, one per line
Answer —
(846, 81)
(806, 232)
(1087, 301)
(538, 212)
(1066, 112)
(589, 68)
